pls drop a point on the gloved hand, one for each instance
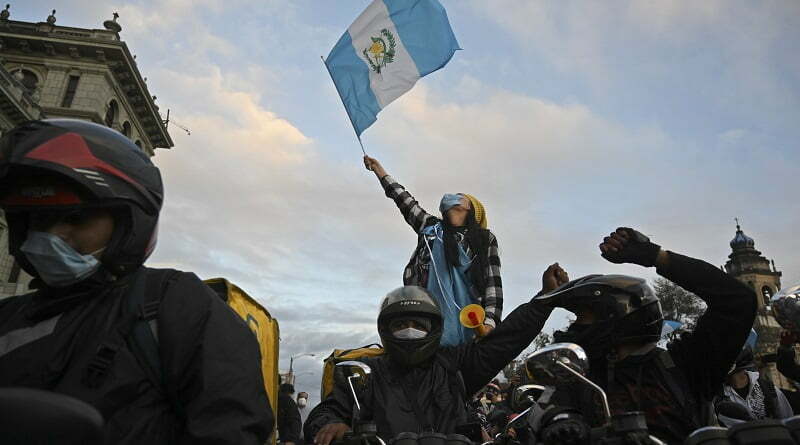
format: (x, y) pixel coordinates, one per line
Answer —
(788, 338)
(572, 431)
(626, 245)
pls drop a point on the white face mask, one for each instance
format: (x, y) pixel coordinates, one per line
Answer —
(409, 334)
(302, 402)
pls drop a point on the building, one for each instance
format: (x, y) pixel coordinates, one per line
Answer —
(52, 71)
(747, 265)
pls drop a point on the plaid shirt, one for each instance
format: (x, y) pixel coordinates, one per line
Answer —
(416, 272)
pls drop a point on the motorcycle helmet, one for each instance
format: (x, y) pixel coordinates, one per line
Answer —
(786, 307)
(745, 361)
(62, 165)
(414, 303)
(625, 310)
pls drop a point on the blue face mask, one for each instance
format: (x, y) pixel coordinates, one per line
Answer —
(58, 264)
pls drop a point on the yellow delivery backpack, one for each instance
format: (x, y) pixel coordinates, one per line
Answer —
(267, 333)
(341, 355)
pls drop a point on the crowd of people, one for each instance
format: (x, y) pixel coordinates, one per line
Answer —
(82, 205)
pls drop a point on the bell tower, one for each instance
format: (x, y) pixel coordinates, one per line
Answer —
(747, 265)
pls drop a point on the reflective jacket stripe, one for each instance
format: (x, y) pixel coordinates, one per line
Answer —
(20, 337)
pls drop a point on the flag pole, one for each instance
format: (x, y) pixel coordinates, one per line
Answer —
(345, 107)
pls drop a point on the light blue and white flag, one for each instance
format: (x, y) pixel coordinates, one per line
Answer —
(669, 327)
(385, 51)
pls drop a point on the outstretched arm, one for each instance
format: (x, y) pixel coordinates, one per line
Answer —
(479, 362)
(493, 296)
(707, 353)
(414, 215)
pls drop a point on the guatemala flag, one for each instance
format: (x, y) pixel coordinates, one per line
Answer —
(385, 51)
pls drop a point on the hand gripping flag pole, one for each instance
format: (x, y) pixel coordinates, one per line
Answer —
(358, 136)
(390, 46)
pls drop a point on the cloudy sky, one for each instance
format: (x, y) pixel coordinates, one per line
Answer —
(567, 119)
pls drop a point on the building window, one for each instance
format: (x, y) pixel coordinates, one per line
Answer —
(126, 129)
(72, 87)
(766, 293)
(111, 113)
(27, 78)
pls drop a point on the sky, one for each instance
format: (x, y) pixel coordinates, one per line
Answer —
(566, 119)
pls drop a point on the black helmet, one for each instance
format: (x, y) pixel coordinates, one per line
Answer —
(744, 361)
(410, 301)
(625, 305)
(108, 170)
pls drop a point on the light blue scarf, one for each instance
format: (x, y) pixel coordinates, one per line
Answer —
(449, 286)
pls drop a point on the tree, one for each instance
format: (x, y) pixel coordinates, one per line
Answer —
(677, 303)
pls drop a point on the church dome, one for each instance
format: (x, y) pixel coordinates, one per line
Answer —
(742, 241)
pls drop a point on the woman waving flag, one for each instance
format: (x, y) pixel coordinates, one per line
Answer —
(456, 258)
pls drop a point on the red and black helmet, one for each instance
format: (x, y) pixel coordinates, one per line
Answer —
(44, 163)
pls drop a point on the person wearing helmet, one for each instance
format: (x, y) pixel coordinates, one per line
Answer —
(756, 393)
(786, 309)
(456, 259)
(619, 322)
(82, 205)
(419, 385)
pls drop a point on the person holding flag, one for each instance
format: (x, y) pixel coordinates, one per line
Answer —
(456, 259)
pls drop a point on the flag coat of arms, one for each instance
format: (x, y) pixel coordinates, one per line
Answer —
(385, 51)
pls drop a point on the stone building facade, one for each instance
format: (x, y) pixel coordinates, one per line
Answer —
(52, 71)
(747, 265)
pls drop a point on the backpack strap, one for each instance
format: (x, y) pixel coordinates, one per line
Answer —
(675, 381)
(667, 368)
(143, 302)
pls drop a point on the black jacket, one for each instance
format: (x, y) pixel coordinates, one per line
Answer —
(207, 352)
(695, 366)
(441, 385)
(289, 423)
(786, 363)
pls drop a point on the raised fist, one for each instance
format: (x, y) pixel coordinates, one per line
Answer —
(554, 277)
(626, 245)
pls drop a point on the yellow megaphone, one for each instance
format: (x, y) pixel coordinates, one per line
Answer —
(472, 317)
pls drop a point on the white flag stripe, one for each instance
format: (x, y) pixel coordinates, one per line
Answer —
(395, 78)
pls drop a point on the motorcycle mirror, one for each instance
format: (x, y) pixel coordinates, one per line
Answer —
(29, 416)
(355, 371)
(547, 365)
(563, 362)
(525, 396)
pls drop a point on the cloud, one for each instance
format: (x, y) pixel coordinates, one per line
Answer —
(281, 208)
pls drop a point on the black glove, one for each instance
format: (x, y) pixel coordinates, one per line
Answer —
(629, 246)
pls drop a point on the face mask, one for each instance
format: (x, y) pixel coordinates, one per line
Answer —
(58, 264)
(409, 334)
(301, 402)
(595, 339)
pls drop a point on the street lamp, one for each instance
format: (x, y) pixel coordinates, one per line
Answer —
(291, 360)
(290, 375)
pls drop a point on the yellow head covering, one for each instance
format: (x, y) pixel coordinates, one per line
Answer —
(480, 212)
